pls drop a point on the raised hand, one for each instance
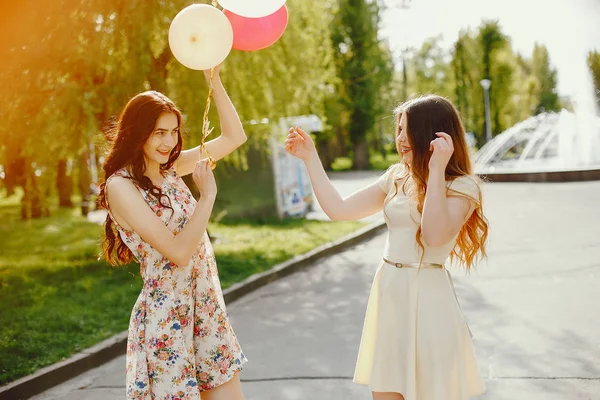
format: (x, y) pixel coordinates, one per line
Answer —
(442, 148)
(300, 144)
(215, 73)
(204, 178)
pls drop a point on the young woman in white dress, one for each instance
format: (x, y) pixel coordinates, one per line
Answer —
(415, 344)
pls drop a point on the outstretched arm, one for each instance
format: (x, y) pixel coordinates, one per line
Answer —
(232, 132)
(362, 203)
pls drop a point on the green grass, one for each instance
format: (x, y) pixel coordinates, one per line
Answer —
(341, 164)
(56, 298)
(378, 162)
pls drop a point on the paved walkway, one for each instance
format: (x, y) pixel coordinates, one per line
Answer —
(347, 183)
(533, 308)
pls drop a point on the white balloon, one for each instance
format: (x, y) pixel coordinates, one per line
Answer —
(200, 36)
(252, 8)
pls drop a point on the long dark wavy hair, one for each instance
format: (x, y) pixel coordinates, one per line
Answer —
(126, 138)
(425, 116)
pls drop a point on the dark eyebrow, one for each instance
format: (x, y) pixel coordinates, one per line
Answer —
(166, 130)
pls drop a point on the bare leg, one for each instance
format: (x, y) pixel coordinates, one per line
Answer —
(387, 396)
(231, 390)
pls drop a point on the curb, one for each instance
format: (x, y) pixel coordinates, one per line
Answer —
(95, 356)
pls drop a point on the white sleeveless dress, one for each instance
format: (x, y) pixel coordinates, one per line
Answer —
(415, 339)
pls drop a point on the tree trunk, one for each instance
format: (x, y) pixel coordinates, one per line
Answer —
(376, 143)
(84, 182)
(32, 205)
(15, 175)
(341, 148)
(404, 78)
(361, 154)
(381, 139)
(64, 185)
(325, 155)
(157, 76)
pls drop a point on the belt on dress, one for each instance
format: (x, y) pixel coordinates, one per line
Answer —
(433, 266)
(413, 265)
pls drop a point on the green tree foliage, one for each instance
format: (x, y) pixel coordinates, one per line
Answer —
(593, 61)
(491, 38)
(546, 79)
(465, 64)
(72, 64)
(521, 86)
(432, 71)
(525, 92)
(497, 69)
(363, 67)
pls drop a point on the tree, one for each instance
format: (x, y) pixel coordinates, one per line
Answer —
(492, 39)
(432, 72)
(59, 88)
(466, 66)
(525, 89)
(546, 77)
(515, 89)
(363, 66)
(31, 83)
(593, 61)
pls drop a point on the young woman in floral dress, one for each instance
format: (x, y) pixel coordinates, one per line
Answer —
(181, 345)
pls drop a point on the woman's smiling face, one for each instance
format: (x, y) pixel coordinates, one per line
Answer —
(402, 144)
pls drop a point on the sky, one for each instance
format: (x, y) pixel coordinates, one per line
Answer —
(568, 28)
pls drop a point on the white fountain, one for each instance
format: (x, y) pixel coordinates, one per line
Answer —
(548, 143)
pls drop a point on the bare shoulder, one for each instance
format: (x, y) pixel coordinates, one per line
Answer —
(123, 195)
(124, 199)
(117, 186)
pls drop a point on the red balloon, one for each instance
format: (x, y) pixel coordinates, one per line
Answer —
(250, 34)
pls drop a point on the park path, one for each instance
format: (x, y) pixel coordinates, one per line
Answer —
(532, 306)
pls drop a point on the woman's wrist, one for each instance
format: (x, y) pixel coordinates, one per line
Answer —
(312, 158)
(216, 79)
(207, 198)
(436, 175)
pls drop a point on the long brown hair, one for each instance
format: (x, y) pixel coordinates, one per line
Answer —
(126, 138)
(425, 116)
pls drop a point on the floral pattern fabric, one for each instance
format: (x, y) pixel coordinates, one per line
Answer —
(180, 341)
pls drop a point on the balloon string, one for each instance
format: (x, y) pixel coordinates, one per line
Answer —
(206, 129)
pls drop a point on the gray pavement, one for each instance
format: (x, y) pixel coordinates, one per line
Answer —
(533, 308)
(347, 183)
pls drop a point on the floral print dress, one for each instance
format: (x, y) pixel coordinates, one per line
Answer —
(180, 341)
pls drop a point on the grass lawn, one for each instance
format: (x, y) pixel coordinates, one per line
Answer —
(56, 298)
(378, 162)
